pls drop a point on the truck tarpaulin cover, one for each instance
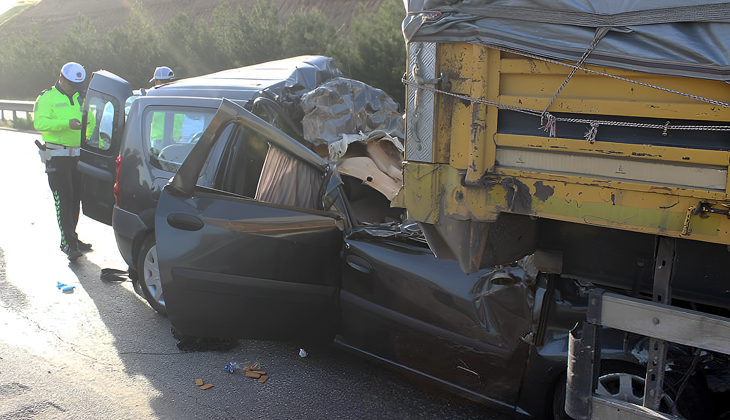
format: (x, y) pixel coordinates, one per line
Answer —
(671, 37)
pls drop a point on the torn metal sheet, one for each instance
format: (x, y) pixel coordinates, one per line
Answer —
(344, 106)
(503, 293)
(365, 169)
(339, 148)
(378, 164)
(406, 230)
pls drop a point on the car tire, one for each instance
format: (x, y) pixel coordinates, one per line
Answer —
(149, 275)
(695, 402)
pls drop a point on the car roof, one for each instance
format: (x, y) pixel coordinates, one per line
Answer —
(245, 82)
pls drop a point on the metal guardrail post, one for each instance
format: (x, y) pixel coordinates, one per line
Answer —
(15, 107)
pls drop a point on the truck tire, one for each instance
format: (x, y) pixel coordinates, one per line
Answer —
(626, 381)
(149, 275)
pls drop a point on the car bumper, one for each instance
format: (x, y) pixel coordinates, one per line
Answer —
(127, 230)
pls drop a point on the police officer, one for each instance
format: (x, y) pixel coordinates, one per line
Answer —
(57, 115)
(162, 75)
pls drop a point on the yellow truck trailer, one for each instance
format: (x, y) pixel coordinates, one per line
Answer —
(596, 136)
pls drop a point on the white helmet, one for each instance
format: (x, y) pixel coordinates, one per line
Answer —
(163, 73)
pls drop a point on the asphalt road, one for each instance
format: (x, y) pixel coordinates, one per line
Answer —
(100, 352)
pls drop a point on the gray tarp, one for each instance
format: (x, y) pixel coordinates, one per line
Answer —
(673, 37)
(345, 106)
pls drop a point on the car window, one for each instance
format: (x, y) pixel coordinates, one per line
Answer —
(101, 120)
(128, 103)
(251, 167)
(171, 133)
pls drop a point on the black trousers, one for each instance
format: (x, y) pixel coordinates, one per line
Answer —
(65, 182)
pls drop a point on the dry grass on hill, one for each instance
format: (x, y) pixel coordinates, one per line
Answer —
(54, 17)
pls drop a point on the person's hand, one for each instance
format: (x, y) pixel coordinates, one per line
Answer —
(74, 124)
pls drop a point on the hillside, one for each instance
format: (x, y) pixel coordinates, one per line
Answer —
(53, 17)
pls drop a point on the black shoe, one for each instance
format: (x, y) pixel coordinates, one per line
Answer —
(72, 253)
(83, 247)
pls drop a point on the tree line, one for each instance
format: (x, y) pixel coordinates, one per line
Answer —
(372, 51)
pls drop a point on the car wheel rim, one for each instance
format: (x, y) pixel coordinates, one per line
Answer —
(630, 388)
(152, 276)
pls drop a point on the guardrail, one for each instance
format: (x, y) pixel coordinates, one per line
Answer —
(15, 107)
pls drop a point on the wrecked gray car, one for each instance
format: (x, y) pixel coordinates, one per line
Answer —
(301, 238)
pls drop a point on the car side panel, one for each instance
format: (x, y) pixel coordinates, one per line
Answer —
(402, 304)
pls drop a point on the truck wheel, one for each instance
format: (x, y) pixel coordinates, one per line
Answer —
(625, 382)
(149, 275)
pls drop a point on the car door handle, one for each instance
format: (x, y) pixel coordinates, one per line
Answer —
(359, 264)
(184, 221)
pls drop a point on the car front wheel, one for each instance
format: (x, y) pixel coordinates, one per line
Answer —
(149, 276)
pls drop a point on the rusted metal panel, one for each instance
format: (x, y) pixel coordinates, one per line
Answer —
(691, 176)
(636, 186)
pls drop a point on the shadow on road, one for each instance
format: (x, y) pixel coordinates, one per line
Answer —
(11, 296)
(328, 383)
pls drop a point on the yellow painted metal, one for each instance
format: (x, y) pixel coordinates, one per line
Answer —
(586, 92)
(647, 212)
(467, 183)
(423, 195)
(454, 116)
(631, 151)
(597, 107)
(447, 106)
(483, 124)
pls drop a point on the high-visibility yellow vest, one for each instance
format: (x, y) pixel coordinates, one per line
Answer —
(52, 112)
(157, 129)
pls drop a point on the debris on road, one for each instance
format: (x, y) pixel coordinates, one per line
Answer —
(65, 287)
(202, 385)
(302, 353)
(251, 370)
(113, 275)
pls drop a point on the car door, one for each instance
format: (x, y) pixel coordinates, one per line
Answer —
(255, 256)
(104, 118)
(403, 305)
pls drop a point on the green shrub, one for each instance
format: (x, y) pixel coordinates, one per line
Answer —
(25, 124)
(374, 51)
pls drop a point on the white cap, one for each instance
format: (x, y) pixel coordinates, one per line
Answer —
(74, 72)
(163, 73)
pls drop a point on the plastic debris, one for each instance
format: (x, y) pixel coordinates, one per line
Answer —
(302, 353)
(65, 287)
(237, 366)
(231, 367)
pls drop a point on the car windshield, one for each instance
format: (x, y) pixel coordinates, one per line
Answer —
(128, 104)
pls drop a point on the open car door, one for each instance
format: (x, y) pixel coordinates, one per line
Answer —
(104, 119)
(255, 256)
